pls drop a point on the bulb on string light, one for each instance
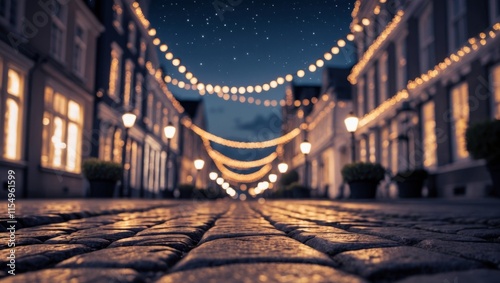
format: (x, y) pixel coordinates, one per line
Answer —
(156, 41)
(265, 87)
(312, 68)
(189, 75)
(350, 37)
(335, 50)
(320, 63)
(273, 84)
(258, 89)
(176, 62)
(289, 78)
(328, 56)
(249, 89)
(182, 69)
(341, 42)
(300, 73)
(241, 90)
(234, 90)
(280, 80)
(193, 80)
(169, 56)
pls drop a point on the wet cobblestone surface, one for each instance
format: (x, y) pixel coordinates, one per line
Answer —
(276, 241)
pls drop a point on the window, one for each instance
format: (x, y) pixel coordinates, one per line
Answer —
(429, 135)
(382, 78)
(138, 94)
(142, 53)
(131, 36)
(158, 114)
(394, 146)
(361, 100)
(494, 11)
(9, 12)
(150, 109)
(79, 51)
(457, 24)
(127, 92)
(62, 132)
(385, 147)
(117, 16)
(163, 165)
(105, 143)
(401, 75)
(133, 165)
(495, 88)
(460, 120)
(58, 30)
(426, 33)
(362, 150)
(13, 116)
(373, 147)
(115, 72)
(371, 89)
(117, 146)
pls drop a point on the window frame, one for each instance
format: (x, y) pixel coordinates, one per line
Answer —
(453, 120)
(429, 142)
(82, 43)
(19, 100)
(61, 24)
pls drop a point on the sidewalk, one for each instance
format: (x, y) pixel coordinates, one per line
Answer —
(277, 241)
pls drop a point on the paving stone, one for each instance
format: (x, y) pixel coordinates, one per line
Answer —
(263, 273)
(35, 220)
(94, 243)
(193, 233)
(136, 257)
(80, 275)
(396, 262)
(40, 234)
(475, 275)
(481, 233)
(252, 249)
(111, 235)
(411, 236)
(448, 228)
(177, 241)
(337, 243)
(484, 252)
(218, 232)
(36, 256)
(20, 241)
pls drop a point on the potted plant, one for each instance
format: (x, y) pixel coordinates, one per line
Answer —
(483, 142)
(410, 182)
(186, 191)
(286, 180)
(102, 176)
(363, 178)
(298, 190)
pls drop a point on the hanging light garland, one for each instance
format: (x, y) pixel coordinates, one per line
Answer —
(243, 178)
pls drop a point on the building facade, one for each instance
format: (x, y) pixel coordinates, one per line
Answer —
(426, 71)
(128, 80)
(47, 93)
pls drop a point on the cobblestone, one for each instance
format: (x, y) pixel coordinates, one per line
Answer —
(279, 241)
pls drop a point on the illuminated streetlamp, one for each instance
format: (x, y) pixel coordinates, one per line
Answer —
(351, 123)
(273, 178)
(128, 122)
(169, 132)
(282, 167)
(198, 165)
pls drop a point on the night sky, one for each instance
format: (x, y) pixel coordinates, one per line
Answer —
(253, 44)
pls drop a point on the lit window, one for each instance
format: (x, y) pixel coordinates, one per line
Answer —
(142, 54)
(429, 135)
(131, 36)
(127, 93)
(150, 110)
(373, 153)
(133, 165)
(117, 146)
(401, 75)
(58, 30)
(158, 115)
(362, 150)
(163, 164)
(361, 101)
(460, 120)
(115, 72)
(385, 147)
(138, 94)
(117, 16)
(79, 51)
(105, 143)
(145, 176)
(382, 78)
(394, 146)
(13, 116)
(495, 87)
(426, 30)
(457, 13)
(371, 89)
(62, 132)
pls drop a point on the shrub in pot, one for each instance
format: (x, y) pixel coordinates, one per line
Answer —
(186, 191)
(102, 176)
(363, 178)
(483, 142)
(289, 177)
(410, 182)
(298, 190)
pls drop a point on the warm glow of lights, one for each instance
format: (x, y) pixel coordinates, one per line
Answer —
(169, 131)
(128, 120)
(328, 56)
(266, 87)
(288, 78)
(365, 21)
(198, 164)
(320, 63)
(341, 43)
(351, 123)
(176, 62)
(357, 28)
(282, 167)
(249, 89)
(152, 32)
(350, 37)
(273, 178)
(212, 176)
(234, 90)
(182, 69)
(300, 73)
(219, 181)
(280, 80)
(305, 147)
(164, 47)
(312, 68)
(169, 56)
(273, 84)
(335, 50)
(258, 89)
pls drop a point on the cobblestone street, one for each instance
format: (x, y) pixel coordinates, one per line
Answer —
(275, 241)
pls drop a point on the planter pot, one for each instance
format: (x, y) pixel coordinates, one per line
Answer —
(363, 190)
(495, 178)
(410, 188)
(102, 189)
(301, 193)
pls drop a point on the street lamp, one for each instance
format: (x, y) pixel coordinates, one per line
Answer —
(198, 165)
(305, 148)
(282, 167)
(169, 132)
(128, 122)
(351, 123)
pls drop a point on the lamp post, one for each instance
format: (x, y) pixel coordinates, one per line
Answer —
(198, 165)
(128, 122)
(351, 123)
(305, 148)
(169, 132)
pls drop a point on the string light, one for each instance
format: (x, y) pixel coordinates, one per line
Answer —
(243, 178)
